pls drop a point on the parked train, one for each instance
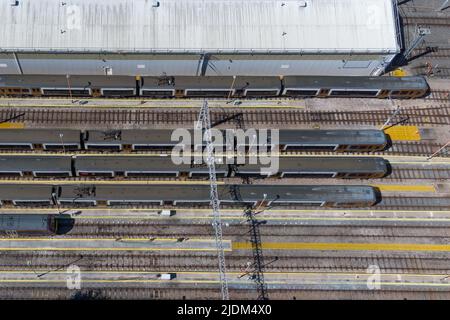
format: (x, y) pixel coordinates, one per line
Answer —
(34, 224)
(212, 86)
(113, 195)
(152, 140)
(151, 166)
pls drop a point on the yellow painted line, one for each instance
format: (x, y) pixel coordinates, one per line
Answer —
(403, 133)
(108, 239)
(108, 249)
(148, 106)
(105, 182)
(343, 246)
(404, 188)
(9, 125)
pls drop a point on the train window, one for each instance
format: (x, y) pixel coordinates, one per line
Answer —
(354, 93)
(152, 147)
(301, 203)
(61, 147)
(78, 203)
(74, 92)
(10, 174)
(249, 174)
(132, 202)
(16, 146)
(157, 93)
(118, 92)
(400, 93)
(95, 173)
(52, 174)
(310, 147)
(261, 93)
(35, 203)
(151, 174)
(183, 203)
(301, 92)
(104, 146)
(308, 175)
(208, 93)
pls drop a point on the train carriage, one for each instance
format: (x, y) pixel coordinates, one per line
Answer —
(186, 195)
(224, 87)
(28, 224)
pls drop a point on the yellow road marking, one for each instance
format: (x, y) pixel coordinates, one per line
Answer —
(343, 246)
(108, 249)
(107, 239)
(405, 188)
(147, 106)
(106, 182)
(403, 133)
(10, 125)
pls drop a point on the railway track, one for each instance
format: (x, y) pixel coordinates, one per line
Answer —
(438, 53)
(387, 203)
(118, 229)
(426, 21)
(302, 262)
(419, 174)
(439, 71)
(194, 293)
(439, 115)
(439, 95)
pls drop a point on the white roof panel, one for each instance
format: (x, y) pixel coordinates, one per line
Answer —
(199, 25)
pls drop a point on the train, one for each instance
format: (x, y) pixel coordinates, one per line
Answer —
(365, 140)
(182, 195)
(24, 224)
(12, 225)
(78, 86)
(133, 166)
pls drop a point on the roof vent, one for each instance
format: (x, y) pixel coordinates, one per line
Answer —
(156, 4)
(302, 4)
(14, 3)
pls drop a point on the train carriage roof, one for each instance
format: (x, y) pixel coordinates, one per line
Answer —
(331, 137)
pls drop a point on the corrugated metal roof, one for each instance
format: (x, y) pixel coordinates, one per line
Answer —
(199, 25)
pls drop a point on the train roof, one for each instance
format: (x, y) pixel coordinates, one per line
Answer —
(194, 26)
(40, 136)
(412, 83)
(34, 163)
(185, 192)
(24, 222)
(215, 82)
(128, 163)
(138, 136)
(331, 137)
(54, 81)
(324, 164)
(25, 192)
(292, 193)
(190, 193)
